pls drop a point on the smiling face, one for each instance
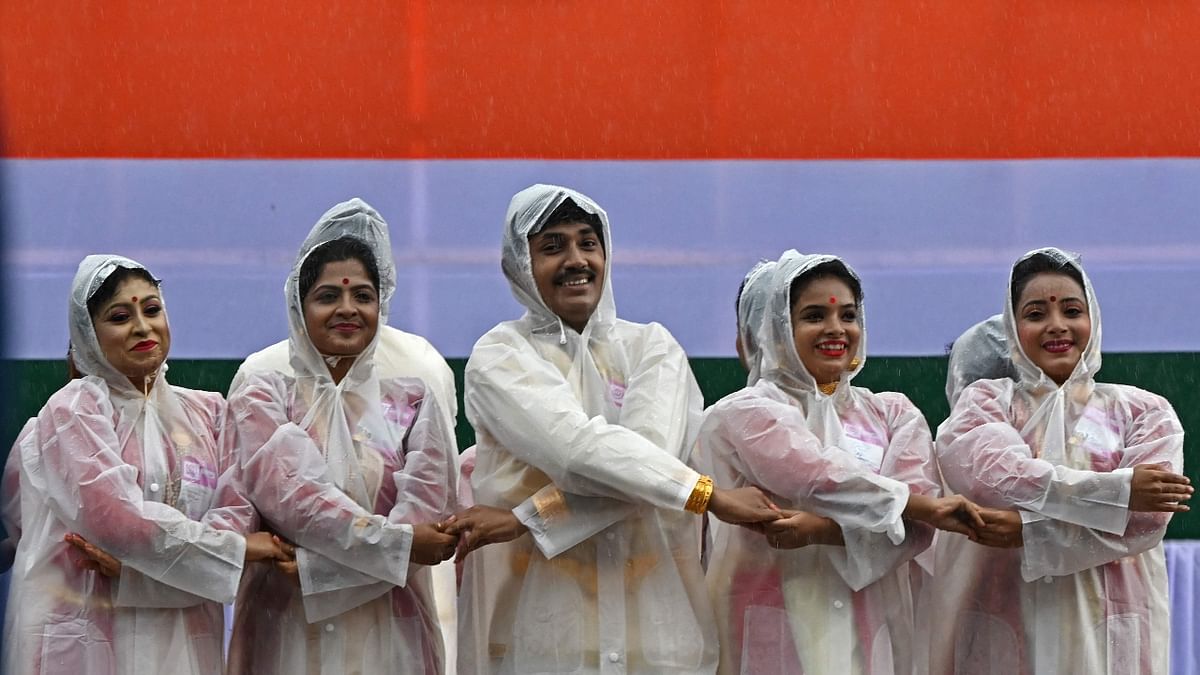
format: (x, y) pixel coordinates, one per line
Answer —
(825, 328)
(341, 310)
(132, 330)
(568, 268)
(1053, 323)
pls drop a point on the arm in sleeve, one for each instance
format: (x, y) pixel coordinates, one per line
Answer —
(96, 494)
(427, 484)
(1055, 548)
(662, 404)
(284, 472)
(909, 460)
(231, 511)
(425, 492)
(525, 403)
(982, 456)
(773, 448)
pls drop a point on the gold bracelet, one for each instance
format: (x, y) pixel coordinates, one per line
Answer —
(698, 502)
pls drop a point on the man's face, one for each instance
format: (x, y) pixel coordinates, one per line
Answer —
(568, 268)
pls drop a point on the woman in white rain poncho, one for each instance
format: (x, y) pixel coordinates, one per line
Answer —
(130, 463)
(1057, 455)
(354, 469)
(852, 462)
(583, 424)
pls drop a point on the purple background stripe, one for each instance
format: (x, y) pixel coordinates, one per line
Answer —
(932, 239)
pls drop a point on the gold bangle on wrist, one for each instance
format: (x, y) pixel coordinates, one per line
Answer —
(698, 502)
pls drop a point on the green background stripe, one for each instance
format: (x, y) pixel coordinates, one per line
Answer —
(922, 379)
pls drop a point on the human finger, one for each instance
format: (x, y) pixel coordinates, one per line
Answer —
(285, 547)
(459, 524)
(972, 511)
(460, 551)
(1182, 489)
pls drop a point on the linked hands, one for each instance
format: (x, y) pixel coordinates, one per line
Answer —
(260, 546)
(430, 546)
(481, 525)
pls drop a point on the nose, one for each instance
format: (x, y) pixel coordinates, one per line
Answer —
(833, 324)
(346, 305)
(1056, 322)
(140, 325)
(575, 259)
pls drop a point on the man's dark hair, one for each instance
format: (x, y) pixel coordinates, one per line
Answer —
(570, 212)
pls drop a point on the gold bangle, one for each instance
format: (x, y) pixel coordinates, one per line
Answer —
(698, 502)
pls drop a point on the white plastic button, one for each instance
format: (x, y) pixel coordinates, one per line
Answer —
(328, 628)
(838, 604)
(614, 657)
(154, 487)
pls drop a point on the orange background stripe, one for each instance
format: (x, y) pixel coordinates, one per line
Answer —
(616, 79)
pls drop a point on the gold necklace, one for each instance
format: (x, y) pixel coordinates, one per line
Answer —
(828, 389)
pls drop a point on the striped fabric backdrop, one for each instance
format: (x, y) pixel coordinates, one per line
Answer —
(929, 143)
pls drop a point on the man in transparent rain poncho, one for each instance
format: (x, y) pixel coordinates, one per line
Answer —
(584, 423)
(1078, 479)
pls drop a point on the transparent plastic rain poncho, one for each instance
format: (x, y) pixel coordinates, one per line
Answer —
(585, 436)
(397, 354)
(853, 456)
(136, 475)
(1087, 591)
(980, 353)
(10, 494)
(752, 306)
(344, 471)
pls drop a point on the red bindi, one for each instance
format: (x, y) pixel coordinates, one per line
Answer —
(832, 300)
(1054, 298)
(135, 298)
(345, 281)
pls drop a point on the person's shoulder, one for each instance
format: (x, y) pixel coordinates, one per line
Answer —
(409, 343)
(886, 399)
(258, 382)
(651, 329)
(513, 333)
(272, 357)
(209, 401)
(999, 388)
(761, 394)
(646, 339)
(1135, 398)
(84, 388)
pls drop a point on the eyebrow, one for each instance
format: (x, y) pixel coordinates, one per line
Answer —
(844, 305)
(124, 303)
(585, 231)
(335, 287)
(1043, 302)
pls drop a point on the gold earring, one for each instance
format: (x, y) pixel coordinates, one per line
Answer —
(854, 363)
